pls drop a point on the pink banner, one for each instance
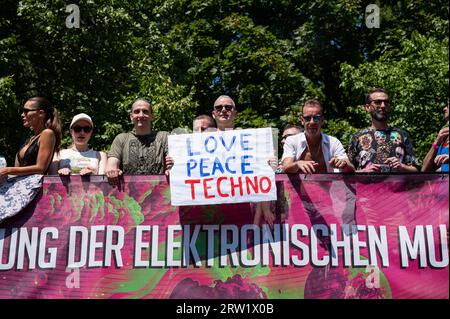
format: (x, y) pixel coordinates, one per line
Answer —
(334, 236)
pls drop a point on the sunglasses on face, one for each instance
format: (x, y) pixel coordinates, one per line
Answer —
(378, 102)
(25, 110)
(227, 107)
(316, 118)
(86, 129)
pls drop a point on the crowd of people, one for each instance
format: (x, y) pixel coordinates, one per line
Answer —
(378, 148)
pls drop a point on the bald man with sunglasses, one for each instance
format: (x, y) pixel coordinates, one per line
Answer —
(224, 113)
(313, 151)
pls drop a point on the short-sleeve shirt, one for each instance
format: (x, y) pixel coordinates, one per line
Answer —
(295, 145)
(443, 149)
(371, 146)
(140, 154)
(76, 160)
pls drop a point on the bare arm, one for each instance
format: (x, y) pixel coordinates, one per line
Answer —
(289, 166)
(45, 155)
(370, 168)
(168, 164)
(112, 166)
(340, 159)
(396, 165)
(343, 164)
(428, 162)
(441, 159)
(264, 214)
(349, 168)
(102, 163)
(408, 168)
(306, 167)
(112, 170)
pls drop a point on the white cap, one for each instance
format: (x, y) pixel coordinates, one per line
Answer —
(81, 116)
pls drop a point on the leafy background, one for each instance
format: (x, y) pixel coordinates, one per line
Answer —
(269, 55)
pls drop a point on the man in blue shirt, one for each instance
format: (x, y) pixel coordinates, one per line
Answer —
(437, 158)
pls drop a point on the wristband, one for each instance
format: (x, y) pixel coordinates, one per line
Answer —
(435, 146)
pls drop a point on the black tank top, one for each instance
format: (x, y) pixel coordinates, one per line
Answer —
(30, 156)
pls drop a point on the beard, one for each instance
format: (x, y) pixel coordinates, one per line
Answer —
(379, 116)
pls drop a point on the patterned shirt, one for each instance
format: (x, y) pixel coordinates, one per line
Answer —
(371, 146)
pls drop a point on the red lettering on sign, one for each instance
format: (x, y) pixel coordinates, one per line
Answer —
(233, 186)
(192, 182)
(219, 180)
(254, 185)
(269, 184)
(206, 187)
(225, 186)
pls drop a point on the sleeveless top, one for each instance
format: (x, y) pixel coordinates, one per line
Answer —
(30, 156)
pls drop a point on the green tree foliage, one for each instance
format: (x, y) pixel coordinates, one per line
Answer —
(8, 110)
(416, 77)
(99, 68)
(231, 47)
(269, 55)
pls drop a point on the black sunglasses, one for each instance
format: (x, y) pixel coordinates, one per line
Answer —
(86, 129)
(316, 118)
(378, 102)
(25, 110)
(227, 107)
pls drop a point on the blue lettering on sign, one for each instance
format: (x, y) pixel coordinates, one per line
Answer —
(244, 164)
(209, 138)
(228, 148)
(209, 167)
(190, 165)
(244, 142)
(203, 166)
(190, 153)
(227, 162)
(217, 166)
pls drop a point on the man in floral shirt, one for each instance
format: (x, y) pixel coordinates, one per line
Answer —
(381, 148)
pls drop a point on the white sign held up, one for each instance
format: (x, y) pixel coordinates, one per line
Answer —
(222, 167)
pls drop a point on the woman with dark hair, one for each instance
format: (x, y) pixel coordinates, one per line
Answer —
(33, 158)
(35, 155)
